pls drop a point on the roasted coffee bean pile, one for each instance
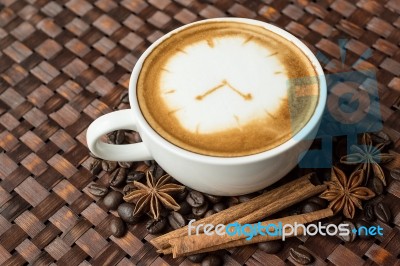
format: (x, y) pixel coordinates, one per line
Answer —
(196, 205)
(120, 175)
(120, 178)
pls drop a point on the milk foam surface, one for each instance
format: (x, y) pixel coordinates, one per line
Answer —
(223, 85)
(223, 89)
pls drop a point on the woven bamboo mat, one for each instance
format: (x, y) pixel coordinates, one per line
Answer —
(64, 63)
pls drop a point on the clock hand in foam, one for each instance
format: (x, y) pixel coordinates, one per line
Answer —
(245, 96)
(221, 85)
(200, 97)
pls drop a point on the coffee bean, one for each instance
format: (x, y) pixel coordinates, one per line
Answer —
(319, 201)
(113, 199)
(362, 233)
(124, 98)
(212, 260)
(232, 201)
(116, 137)
(156, 170)
(125, 164)
(125, 211)
(111, 137)
(159, 172)
(97, 190)
(271, 247)
(209, 213)
(128, 188)
(219, 207)
(136, 137)
(185, 208)
(156, 226)
(244, 198)
(196, 258)
(200, 211)
(395, 173)
(176, 220)
(310, 207)
(212, 198)
(117, 178)
(195, 199)
(108, 166)
(369, 213)
(152, 169)
(382, 212)
(301, 256)
(181, 196)
(135, 176)
(117, 227)
(95, 167)
(352, 235)
(376, 185)
(119, 137)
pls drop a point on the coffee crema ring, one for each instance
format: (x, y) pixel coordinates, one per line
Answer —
(225, 89)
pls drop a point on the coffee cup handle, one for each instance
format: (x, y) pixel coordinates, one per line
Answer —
(122, 119)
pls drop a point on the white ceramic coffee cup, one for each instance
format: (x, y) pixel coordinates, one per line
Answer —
(213, 175)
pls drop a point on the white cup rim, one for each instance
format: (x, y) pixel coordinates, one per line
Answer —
(298, 137)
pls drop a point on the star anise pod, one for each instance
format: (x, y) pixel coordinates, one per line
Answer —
(368, 156)
(152, 195)
(345, 193)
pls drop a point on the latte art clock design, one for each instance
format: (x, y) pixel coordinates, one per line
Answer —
(224, 83)
(223, 86)
(223, 89)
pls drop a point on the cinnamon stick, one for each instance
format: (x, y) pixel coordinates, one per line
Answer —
(253, 210)
(187, 245)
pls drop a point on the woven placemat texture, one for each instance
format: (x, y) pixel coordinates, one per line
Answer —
(65, 63)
